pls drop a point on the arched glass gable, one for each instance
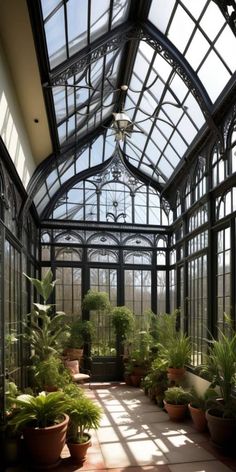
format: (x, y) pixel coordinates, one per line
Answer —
(113, 195)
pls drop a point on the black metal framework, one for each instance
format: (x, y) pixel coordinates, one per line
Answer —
(223, 276)
(113, 195)
(86, 57)
(183, 146)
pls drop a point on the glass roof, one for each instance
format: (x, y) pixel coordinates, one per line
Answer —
(168, 64)
(200, 32)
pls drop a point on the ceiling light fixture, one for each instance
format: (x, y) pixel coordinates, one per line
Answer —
(122, 125)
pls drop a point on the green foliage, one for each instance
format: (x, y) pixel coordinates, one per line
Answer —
(97, 301)
(177, 396)
(156, 380)
(165, 327)
(45, 286)
(81, 332)
(72, 390)
(220, 366)
(11, 392)
(122, 321)
(203, 401)
(40, 412)
(177, 352)
(46, 333)
(141, 348)
(84, 414)
(51, 373)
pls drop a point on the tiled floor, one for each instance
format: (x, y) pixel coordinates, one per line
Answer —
(138, 436)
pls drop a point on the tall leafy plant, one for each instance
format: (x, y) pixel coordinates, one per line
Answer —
(220, 365)
(44, 331)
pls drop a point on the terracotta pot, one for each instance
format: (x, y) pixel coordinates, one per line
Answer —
(127, 379)
(73, 354)
(78, 451)
(50, 388)
(136, 380)
(44, 445)
(176, 412)
(139, 370)
(199, 418)
(175, 374)
(222, 430)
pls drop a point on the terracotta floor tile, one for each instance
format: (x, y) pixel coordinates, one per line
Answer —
(137, 436)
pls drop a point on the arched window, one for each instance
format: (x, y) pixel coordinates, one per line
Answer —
(102, 239)
(226, 204)
(161, 241)
(199, 181)
(187, 195)
(231, 145)
(178, 204)
(135, 257)
(102, 255)
(11, 207)
(218, 166)
(137, 241)
(68, 253)
(68, 238)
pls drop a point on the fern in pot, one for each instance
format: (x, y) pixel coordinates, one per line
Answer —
(176, 354)
(43, 423)
(220, 368)
(176, 401)
(84, 415)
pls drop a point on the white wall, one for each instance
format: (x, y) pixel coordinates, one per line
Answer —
(12, 129)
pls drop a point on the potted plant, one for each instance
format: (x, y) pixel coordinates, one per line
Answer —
(84, 414)
(176, 354)
(198, 406)
(43, 424)
(81, 333)
(51, 374)
(96, 301)
(157, 381)
(123, 322)
(220, 367)
(10, 439)
(45, 331)
(139, 360)
(176, 401)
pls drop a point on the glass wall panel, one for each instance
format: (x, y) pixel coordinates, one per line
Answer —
(198, 218)
(138, 293)
(197, 307)
(68, 291)
(12, 311)
(161, 291)
(137, 257)
(172, 289)
(223, 276)
(68, 254)
(103, 280)
(199, 242)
